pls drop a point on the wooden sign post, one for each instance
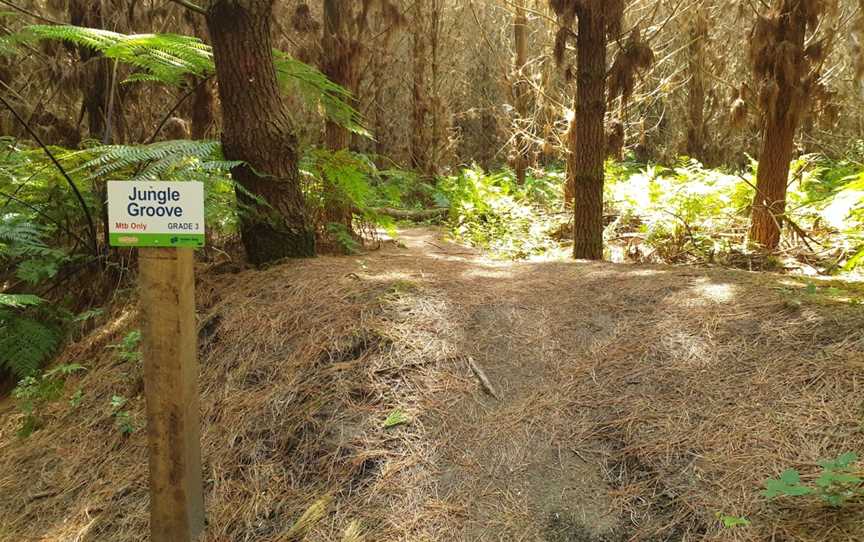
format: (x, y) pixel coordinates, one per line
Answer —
(167, 221)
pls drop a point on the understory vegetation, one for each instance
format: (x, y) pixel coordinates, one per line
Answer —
(681, 213)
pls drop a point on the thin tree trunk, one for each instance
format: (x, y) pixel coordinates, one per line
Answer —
(338, 59)
(589, 146)
(572, 147)
(696, 86)
(257, 130)
(520, 89)
(204, 99)
(97, 72)
(781, 120)
(438, 143)
(420, 99)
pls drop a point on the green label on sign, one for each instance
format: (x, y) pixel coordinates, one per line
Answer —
(156, 240)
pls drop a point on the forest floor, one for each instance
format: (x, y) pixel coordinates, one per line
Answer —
(621, 402)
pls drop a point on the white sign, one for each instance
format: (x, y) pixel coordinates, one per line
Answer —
(156, 214)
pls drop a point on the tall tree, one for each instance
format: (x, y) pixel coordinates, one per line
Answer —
(696, 62)
(420, 136)
(521, 88)
(95, 80)
(341, 46)
(257, 130)
(203, 93)
(596, 21)
(344, 45)
(787, 70)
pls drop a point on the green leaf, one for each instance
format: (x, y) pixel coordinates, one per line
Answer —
(397, 417)
(18, 301)
(790, 476)
(789, 484)
(730, 522)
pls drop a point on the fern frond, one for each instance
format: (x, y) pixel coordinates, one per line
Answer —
(316, 88)
(157, 159)
(21, 238)
(165, 57)
(25, 345)
(169, 58)
(19, 301)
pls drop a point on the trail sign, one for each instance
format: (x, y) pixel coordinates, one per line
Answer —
(166, 220)
(156, 214)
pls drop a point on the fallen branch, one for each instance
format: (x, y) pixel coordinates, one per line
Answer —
(484, 380)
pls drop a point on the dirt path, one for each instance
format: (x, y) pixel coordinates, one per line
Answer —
(631, 398)
(627, 403)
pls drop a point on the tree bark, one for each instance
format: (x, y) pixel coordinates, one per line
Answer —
(258, 131)
(97, 73)
(339, 56)
(420, 139)
(780, 122)
(589, 145)
(696, 86)
(520, 89)
(204, 97)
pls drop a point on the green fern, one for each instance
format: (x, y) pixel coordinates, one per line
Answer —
(18, 301)
(169, 58)
(314, 87)
(163, 57)
(20, 237)
(25, 344)
(157, 160)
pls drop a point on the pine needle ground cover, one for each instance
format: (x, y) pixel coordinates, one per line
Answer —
(636, 403)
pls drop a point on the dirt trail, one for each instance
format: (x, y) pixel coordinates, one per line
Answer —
(600, 370)
(633, 403)
(510, 461)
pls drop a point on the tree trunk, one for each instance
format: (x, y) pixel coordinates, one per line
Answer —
(420, 139)
(589, 146)
(95, 82)
(572, 147)
(338, 64)
(257, 130)
(438, 142)
(773, 175)
(781, 119)
(520, 89)
(204, 97)
(696, 86)
(203, 103)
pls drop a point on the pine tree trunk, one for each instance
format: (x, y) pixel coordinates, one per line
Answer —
(96, 70)
(696, 86)
(438, 142)
(520, 89)
(781, 120)
(257, 130)
(204, 97)
(338, 59)
(420, 139)
(773, 174)
(590, 141)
